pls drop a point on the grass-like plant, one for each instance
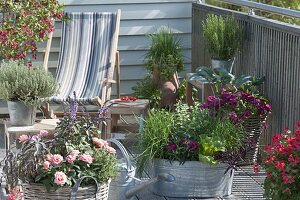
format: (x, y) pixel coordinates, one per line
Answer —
(164, 54)
(154, 137)
(21, 83)
(222, 36)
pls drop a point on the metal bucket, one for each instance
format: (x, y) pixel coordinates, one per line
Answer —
(192, 179)
(126, 180)
(227, 64)
(21, 114)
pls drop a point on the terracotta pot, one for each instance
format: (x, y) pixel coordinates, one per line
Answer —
(169, 92)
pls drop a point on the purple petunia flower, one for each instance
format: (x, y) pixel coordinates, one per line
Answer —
(171, 147)
(193, 145)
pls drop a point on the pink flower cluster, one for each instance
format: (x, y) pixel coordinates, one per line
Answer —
(56, 160)
(103, 144)
(25, 138)
(282, 162)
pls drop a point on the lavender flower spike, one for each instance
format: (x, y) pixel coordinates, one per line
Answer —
(73, 107)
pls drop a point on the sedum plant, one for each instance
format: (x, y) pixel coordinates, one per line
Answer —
(21, 83)
(222, 36)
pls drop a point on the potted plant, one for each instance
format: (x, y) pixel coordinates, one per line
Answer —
(222, 37)
(192, 146)
(74, 164)
(244, 108)
(23, 87)
(164, 59)
(24, 24)
(281, 163)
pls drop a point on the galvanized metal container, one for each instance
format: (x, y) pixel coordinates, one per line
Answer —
(126, 180)
(192, 179)
(227, 64)
(21, 114)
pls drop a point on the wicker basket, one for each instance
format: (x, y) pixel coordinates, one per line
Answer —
(38, 192)
(253, 127)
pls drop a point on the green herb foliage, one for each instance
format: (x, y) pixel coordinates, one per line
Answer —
(164, 54)
(222, 36)
(154, 137)
(21, 83)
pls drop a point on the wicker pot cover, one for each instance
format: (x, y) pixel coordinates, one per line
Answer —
(253, 127)
(38, 192)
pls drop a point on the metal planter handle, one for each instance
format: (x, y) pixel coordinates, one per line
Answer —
(77, 185)
(124, 152)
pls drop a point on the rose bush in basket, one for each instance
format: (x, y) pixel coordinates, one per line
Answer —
(282, 165)
(75, 151)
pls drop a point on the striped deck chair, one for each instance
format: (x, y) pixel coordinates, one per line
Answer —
(88, 56)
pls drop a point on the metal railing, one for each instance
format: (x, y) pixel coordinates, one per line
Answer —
(270, 49)
(264, 7)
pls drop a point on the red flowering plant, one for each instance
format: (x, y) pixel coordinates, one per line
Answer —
(75, 151)
(282, 165)
(24, 24)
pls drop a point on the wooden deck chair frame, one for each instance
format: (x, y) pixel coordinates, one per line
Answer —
(115, 68)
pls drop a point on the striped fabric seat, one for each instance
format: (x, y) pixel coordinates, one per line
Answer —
(87, 56)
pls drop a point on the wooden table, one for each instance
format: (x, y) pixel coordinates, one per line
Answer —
(137, 108)
(12, 133)
(202, 85)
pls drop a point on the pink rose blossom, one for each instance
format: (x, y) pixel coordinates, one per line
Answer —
(99, 142)
(56, 159)
(46, 165)
(43, 133)
(70, 158)
(60, 178)
(75, 153)
(111, 150)
(23, 138)
(86, 158)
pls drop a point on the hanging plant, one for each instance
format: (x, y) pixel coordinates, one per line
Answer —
(25, 23)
